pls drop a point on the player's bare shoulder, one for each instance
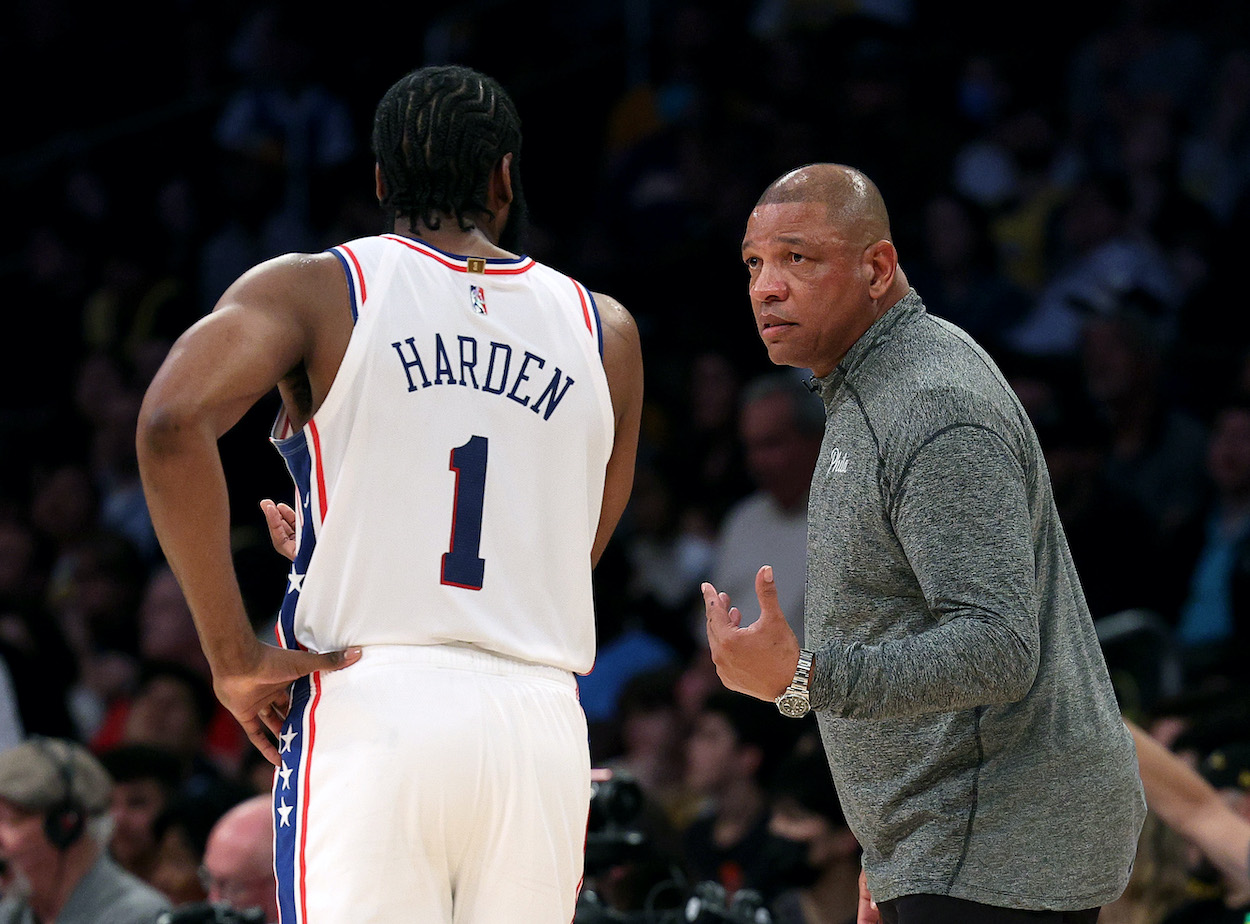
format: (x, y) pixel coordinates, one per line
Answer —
(620, 330)
(294, 282)
(303, 298)
(622, 354)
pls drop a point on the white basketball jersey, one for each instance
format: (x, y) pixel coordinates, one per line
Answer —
(448, 489)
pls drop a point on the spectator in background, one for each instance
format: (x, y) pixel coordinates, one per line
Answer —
(96, 609)
(1156, 449)
(698, 446)
(817, 854)
(1099, 257)
(167, 635)
(666, 555)
(182, 831)
(171, 708)
(54, 800)
(238, 859)
(1212, 555)
(652, 735)
(145, 779)
(780, 425)
(626, 645)
(734, 745)
(1111, 535)
(166, 629)
(280, 134)
(35, 654)
(959, 271)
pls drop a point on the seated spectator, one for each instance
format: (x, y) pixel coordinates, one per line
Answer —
(1155, 446)
(54, 801)
(145, 778)
(172, 708)
(182, 831)
(238, 859)
(817, 859)
(735, 742)
(652, 738)
(1212, 554)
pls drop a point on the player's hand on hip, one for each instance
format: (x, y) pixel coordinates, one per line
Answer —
(758, 659)
(258, 696)
(867, 912)
(280, 518)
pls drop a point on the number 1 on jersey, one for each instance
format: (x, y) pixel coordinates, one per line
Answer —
(462, 566)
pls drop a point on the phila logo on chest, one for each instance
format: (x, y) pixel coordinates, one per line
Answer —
(838, 461)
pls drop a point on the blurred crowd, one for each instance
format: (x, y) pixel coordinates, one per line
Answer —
(1070, 184)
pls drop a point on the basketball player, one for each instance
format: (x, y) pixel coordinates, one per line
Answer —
(461, 424)
(968, 716)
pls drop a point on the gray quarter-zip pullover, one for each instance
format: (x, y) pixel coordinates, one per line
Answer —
(961, 692)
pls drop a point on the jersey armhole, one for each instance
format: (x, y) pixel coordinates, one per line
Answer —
(356, 292)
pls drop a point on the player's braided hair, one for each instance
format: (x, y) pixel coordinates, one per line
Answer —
(437, 134)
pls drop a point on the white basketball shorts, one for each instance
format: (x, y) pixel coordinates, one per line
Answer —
(432, 785)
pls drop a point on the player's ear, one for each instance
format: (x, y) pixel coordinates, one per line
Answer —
(500, 189)
(378, 185)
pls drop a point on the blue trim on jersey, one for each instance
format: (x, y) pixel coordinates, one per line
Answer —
(288, 800)
(501, 261)
(294, 450)
(351, 280)
(598, 321)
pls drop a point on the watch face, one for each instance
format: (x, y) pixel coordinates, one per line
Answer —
(794, 705)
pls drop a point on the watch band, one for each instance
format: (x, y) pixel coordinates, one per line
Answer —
(793, 701)
(802, 672)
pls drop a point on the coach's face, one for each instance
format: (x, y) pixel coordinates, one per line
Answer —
(810, 284)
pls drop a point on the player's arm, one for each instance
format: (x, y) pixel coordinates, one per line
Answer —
(622, 361)
(264, 326)
(1189, 805)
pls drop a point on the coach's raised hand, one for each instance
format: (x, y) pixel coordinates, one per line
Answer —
(758, 659)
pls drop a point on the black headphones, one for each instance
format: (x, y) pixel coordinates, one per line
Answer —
(65, 819)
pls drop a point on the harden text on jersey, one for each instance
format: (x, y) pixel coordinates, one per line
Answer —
(497, 369)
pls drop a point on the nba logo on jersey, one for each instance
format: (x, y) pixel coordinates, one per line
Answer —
(478, 294)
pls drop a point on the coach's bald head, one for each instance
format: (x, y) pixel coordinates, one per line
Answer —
(854, 203)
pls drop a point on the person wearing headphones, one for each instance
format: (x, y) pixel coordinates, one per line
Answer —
(54, 825)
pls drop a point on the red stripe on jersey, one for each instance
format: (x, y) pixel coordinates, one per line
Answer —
(585, 307)
(306, 771)
(434, 254)
(359, 273)
(321, 475)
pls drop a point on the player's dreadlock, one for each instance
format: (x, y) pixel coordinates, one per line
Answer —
(437, 134)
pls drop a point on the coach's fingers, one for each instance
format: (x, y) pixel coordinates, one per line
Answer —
(766, 592)
(866, 912)
(712, 600)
